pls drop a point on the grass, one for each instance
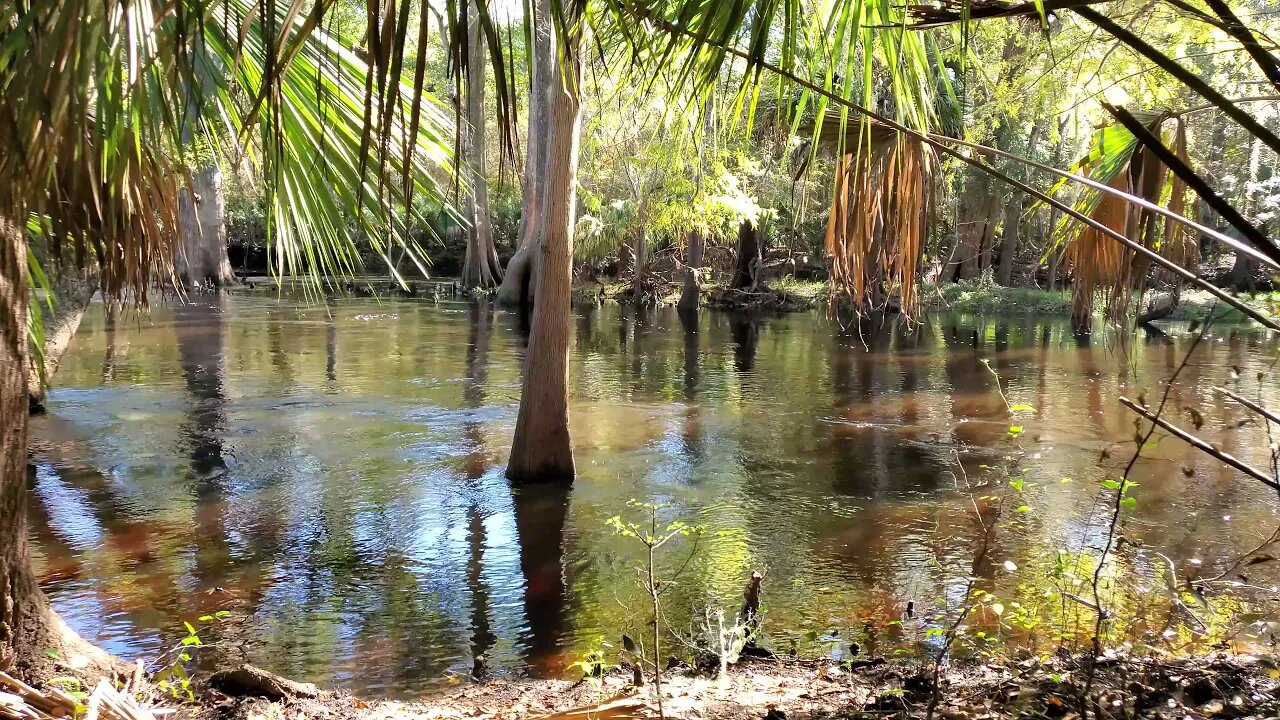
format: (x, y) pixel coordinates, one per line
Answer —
(1196, 304)
(810, 291)
(980, 298)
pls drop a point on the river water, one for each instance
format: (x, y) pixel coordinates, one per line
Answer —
(331, 475)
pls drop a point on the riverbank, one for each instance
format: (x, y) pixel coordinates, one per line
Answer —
(1222, 685)
(793, 295)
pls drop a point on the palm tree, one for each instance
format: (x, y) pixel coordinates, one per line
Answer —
(94, 100)
(91, 116)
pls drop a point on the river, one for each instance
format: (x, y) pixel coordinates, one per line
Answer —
(331, 475)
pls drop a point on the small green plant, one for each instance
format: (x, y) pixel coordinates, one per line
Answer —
(171, 675)
(593, 666)
(653, 537)
(75, 689)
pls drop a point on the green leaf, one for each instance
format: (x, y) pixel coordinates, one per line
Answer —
(1020, 408)
(190, 630)
(1111, 484)
(1022, 508)
(221, 614)
(191, 640)
(1129, 503)
(206, 618)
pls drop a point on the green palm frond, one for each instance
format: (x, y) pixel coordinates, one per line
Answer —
(311, 146)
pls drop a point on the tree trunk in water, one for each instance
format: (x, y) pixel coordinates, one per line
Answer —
(640, 246)
(202, 255)
(73, 290)
(749, 259)
(28, 627)
(692, 287)
(481, 268)
(541, 451)
(540, 514)
(517, 285)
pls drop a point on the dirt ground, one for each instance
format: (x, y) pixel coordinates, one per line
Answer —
(1220, 686)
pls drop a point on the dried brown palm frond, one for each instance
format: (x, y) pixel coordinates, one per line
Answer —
(1179, 244)
(877, 226)
(132, 239)
(1097, 263)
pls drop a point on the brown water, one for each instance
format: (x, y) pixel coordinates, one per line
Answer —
(333, 476)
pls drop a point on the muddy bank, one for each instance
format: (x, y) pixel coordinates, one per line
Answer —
(1219, 686)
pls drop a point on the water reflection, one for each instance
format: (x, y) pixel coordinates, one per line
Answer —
(540, 514)
(333, 474)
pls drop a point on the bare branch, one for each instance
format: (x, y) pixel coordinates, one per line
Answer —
(1201, 445)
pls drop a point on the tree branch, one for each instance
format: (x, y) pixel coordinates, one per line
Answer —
(1185, 76)
(1201, 445)
(1250, 404)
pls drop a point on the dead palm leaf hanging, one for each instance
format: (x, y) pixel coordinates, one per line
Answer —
(877, 226)
(1099, 265)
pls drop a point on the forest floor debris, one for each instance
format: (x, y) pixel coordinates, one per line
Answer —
(1218, 686)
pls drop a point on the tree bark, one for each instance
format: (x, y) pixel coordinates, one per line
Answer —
(640, 246)
(202, 254)
(28, 626)
(517, 285)
(480, 269)
(692, 287)
(1009, 240)
(1013, 214)
(541, 451)
(749, 257)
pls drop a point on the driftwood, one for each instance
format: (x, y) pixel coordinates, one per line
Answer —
(19, 701)
(247, 680)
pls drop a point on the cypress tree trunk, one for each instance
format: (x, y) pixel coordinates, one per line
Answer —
(518, 284)
(202, 254)
(689, 295)
(541, 451)
(1009, 240)
(481, 268)
(749, 258)
(28, 626)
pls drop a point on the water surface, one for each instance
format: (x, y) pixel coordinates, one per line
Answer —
(332, 475)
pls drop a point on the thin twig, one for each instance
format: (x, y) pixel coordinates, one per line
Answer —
(1118, 506)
